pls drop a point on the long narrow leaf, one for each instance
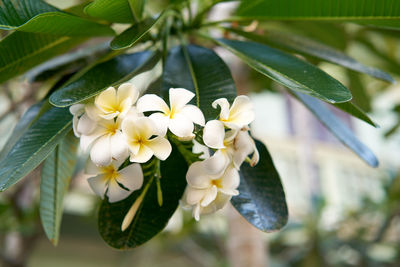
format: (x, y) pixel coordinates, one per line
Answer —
(34, 146)
(341, 131)
(57, 171)
(110, 73)
(38, 17)
(20, 51)
(309, 47)
(288, 70)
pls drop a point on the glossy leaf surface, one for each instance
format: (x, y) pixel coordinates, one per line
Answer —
(261, 200)
(150, 218)
(110, 73)
(39, 17)
(309, 47)
(288, 70)
(201, 71)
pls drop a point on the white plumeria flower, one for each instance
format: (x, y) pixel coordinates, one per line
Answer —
(113, 103)
(236, 117)
(207, 192)
(81, 123)
(178, 117)
(108, 180)
(138, 133)
(106, 142)
(237, 145)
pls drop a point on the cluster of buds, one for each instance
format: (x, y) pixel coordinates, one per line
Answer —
(113, 129)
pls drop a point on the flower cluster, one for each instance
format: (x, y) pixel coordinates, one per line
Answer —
(213, 181)
(113, 129)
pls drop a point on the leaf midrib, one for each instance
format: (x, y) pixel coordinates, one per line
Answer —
(11, 176)
(36, 52)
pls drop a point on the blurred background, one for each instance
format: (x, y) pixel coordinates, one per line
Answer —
(342, 212)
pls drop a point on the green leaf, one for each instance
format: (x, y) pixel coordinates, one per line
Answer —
(355, 111)
(321, 10)
(150, 218)
(38, 17)
(57, 171)
(341, 131)
(201, 71)
(23, 124)
(261, 199)
(111, 10)
(110, 73)
(288, 70)
(20, 51)
(133, 34)
(309, 47)
(34, 145)
(137, 7)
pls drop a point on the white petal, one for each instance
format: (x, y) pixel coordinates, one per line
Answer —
(161, 121)
(98, 184)
(194, 114)
(179, 97)
(106, 101)
(181, 126)
(143, 155)
(131, 177)
(100, 153)
(127, 90)
(75, 121)
(119, 148)
(220, 201)
(91, 168)
(199, 148)
(115, 192)
(85, 125)
(244, 145)
(194, 196)
(93, 112)
(77, 109)
(196, 176)
(217, 163)
(230, 182)
(151, 102)
(213, 134)
(209, 196)
(161, 147)
(87, 140)
(241, 112)
(224, 105)
(196, 212)
(255, 158)
(145, 127)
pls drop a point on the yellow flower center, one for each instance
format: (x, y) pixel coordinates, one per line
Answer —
(217, 183)
(110, 172)
(112, 128)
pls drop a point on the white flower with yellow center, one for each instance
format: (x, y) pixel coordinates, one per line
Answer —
(116, 184)
(207, 192)
(112, 103)
(236, 147)
(81, 123)
(179, 117)
(239, 115)
(142, 145)
(106, 142)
